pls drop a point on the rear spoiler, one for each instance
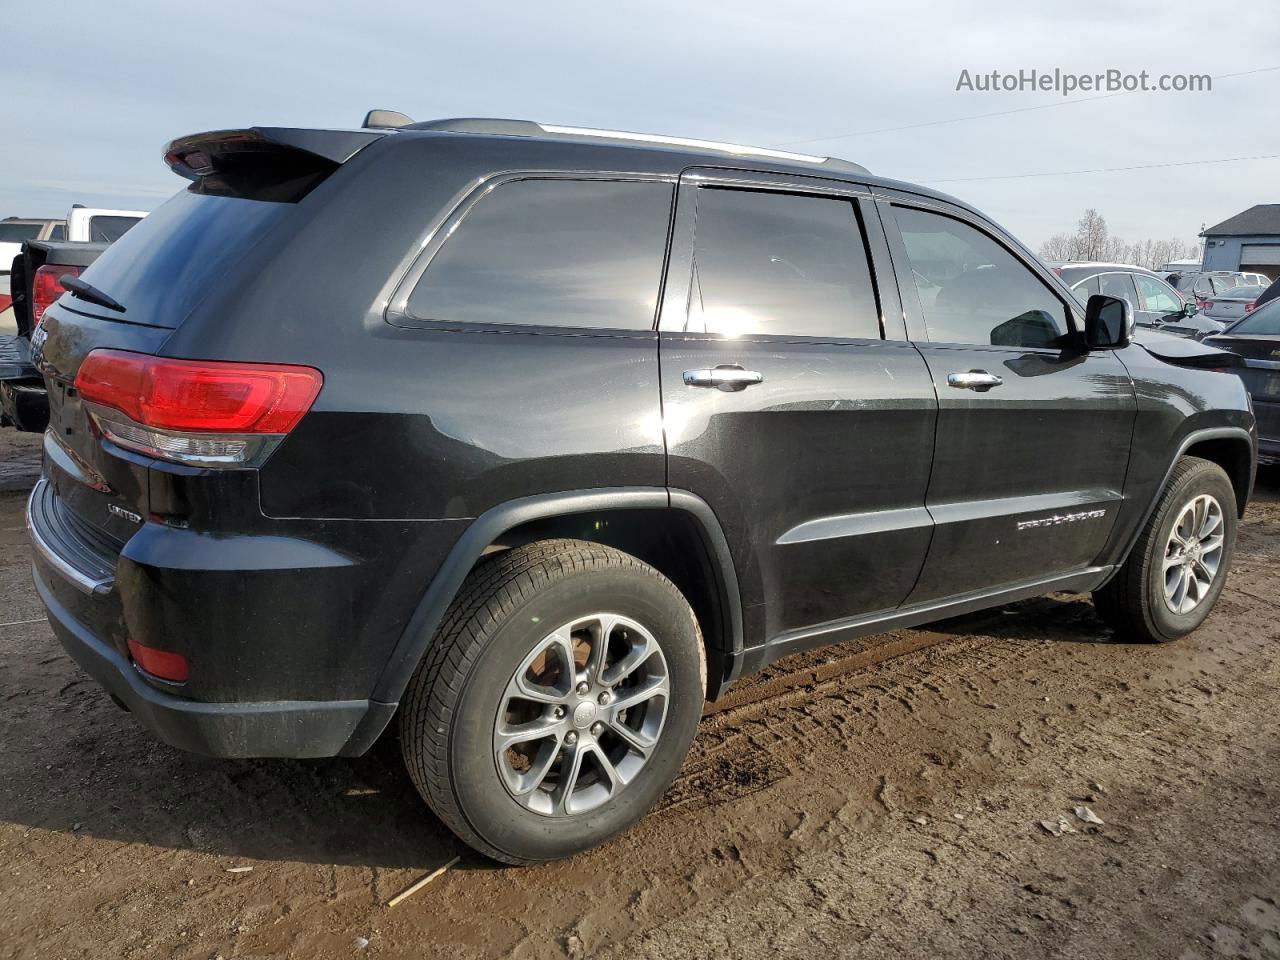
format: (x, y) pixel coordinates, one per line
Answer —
(280, 164)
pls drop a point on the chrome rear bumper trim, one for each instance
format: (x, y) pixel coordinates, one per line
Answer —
(82, 581)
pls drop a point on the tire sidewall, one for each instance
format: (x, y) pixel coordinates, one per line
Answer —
(482, 796)
(1166, 623)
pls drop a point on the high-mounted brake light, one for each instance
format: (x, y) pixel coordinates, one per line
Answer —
(45, 289)
(208, 412)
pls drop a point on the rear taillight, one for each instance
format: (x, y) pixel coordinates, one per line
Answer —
(45, 289)
(160, 663)
(208, 412)
(1250, 307)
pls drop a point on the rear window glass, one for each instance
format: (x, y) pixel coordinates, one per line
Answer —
(1243, 293)
(165, 265)
(567, 253)
(107, 229)
(1263, 322)
(17, 232)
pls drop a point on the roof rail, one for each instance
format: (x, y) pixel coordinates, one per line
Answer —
(528, 128)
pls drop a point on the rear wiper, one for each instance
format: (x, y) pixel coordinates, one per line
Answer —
(87, 291)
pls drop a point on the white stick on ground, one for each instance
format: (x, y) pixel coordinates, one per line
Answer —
(411, 890)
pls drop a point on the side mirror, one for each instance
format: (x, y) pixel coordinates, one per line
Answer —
(1108, 323)
(1190, 308)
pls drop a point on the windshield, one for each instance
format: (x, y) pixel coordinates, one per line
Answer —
(17, 232)
(1263, 322)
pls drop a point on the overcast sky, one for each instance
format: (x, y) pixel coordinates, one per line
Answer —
(93, 90)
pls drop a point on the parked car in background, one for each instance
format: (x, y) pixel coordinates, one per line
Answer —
(1256, 338)
(1233, 304)
(32, 282)
(1269, 294)
(1154, 303)
(1203, 286)
(13, 231)
(334, 443)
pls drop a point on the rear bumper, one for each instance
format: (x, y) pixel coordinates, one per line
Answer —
(288, 728)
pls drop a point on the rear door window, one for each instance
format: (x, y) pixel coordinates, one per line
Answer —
(1086, 289)
(562, 253)
(778, 264)
(1119, 285)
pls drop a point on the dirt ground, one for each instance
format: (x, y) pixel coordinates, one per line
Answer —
(881, 799)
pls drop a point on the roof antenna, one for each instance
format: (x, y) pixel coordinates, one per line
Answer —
(385, 120)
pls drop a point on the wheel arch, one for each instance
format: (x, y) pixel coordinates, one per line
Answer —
(1232, 449)
(674, 531)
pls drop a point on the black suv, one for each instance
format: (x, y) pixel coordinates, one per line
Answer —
(538, 437)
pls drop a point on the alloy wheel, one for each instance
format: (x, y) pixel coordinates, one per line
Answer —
(582, 715)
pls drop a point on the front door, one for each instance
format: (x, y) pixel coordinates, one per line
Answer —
(786, 407)
(1033, 431)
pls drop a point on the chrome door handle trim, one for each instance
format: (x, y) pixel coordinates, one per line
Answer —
(727, 377)
(978, 380)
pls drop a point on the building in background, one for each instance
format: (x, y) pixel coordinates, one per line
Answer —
(1249, 241)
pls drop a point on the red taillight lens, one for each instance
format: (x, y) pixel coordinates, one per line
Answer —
(160, 663)
(5, 302)
(1250, 307)
(45, 289)
(199, 396)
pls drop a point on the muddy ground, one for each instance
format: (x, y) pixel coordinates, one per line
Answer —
(882, 799)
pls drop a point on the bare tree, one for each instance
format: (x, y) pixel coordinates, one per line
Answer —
(1091, 236)
(1092, 241)
(1057, 247)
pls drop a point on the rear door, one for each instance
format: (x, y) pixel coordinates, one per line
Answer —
(1033, 432)
(792, 402)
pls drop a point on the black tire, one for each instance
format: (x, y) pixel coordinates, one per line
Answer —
(1133, 601)
(504, 610)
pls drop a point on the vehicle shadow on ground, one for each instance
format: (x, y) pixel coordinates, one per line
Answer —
(1066, 618)
(103, 776)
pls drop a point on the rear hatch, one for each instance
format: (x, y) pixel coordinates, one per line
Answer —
(245, 185)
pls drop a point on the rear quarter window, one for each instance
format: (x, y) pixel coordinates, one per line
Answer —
(557, 253)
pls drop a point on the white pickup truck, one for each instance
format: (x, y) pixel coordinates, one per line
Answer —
(30, 269)
(83, 225)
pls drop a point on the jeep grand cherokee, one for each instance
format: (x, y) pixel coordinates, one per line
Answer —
(533, 438)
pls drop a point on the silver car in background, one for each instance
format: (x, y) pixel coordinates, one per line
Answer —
(1232, 305)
